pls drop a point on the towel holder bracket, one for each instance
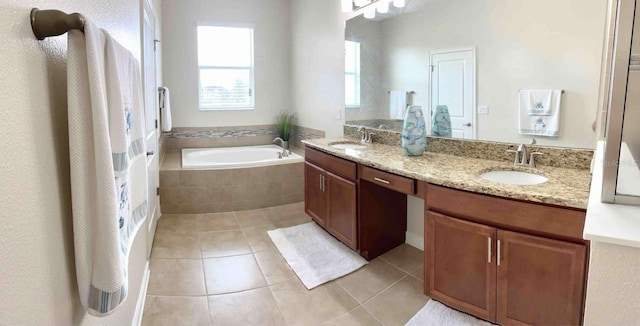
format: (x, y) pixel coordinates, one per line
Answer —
(46, 23)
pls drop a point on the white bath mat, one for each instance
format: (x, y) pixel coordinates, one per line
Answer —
(314, 255)
(437, 314)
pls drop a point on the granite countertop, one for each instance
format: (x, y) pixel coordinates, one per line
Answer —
(566, 187)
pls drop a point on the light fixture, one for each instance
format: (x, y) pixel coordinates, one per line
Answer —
(398, 3)
(370, 12)
(347, 5)
(361, 3)
(383, 7)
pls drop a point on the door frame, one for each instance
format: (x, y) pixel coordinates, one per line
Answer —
(474, 119)
(147, 8)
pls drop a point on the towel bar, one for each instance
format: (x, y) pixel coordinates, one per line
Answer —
(46, 23)
(409, 92)
(561, 91)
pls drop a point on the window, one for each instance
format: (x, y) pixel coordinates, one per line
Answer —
(352, 74)
(225, 62)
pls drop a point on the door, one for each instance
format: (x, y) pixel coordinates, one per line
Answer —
(460, 269)
(540, 281)
(341, 209)
(315, 200)
(151, 116)
(453, 83)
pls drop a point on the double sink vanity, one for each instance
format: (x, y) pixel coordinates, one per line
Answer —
(502, 242)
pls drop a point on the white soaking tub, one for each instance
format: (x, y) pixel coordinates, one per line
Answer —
(235, 157)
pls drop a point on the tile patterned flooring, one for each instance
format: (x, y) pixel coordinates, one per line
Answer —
(223, 269)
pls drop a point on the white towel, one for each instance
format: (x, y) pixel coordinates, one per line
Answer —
(397, 105)
(165, 108)
(539, 112)
(108, 165)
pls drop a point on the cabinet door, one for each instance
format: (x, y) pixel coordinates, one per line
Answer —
(540, 281)
(315, 200)
(460, 267)
(341, 210)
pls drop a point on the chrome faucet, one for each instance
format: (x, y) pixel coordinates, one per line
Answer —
(285, 152)
(522, 159)
(367, 136)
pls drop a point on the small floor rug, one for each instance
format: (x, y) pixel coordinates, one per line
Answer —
(314, 255)
(435, 313)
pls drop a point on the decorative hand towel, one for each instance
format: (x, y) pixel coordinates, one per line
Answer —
(540, 102)
(165, 108)
(414, 132)
(108, 164)
(441, 126)
(540, 112)
(397, 105)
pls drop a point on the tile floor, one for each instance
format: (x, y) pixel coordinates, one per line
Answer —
(222, 269)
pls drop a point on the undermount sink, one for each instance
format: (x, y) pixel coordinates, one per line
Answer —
(514, 177)
(347, 145)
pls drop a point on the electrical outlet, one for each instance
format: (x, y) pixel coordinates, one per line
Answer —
(483, 109)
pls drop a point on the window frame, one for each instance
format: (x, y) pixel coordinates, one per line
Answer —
(252, 101)
(357, 74)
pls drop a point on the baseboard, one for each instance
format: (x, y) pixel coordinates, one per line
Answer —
(414, 240)
(137, 318)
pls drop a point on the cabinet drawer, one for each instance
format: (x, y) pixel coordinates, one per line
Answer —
(388, 180)
(341, 167)
(562, 223)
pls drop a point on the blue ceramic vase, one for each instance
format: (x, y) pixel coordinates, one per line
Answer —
(414, 132)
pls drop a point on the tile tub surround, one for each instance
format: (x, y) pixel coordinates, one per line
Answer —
(561, 157)
(257, 286)
(205, 137)
(209, 191)
(302, 133)
(179, 138)
(566, 187)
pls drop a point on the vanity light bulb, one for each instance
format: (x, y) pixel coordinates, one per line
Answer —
(383, 7)
(347, 5)
(360, 3)
(398, 3)
(370, 12)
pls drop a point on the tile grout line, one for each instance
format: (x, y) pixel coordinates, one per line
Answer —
(398, 267)
(385, 289)
(204, 273)
(262, 271)
(360, 305)
(380, 293)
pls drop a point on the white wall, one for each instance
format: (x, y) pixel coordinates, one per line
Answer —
(317, 57)
(520, 44)
(271, 58)
(613, 289)
(37, 272)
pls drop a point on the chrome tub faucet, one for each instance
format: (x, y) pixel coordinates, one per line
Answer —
(285, 151)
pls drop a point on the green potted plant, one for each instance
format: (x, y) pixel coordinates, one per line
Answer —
(284, 126)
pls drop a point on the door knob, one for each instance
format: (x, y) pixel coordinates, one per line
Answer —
(150, 153)
(468, 124)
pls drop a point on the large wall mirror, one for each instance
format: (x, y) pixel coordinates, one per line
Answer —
(500, 68)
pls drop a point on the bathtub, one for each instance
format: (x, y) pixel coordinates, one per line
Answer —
(235, 157)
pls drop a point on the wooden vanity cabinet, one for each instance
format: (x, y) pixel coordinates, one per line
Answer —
(459, 269)
(315, 200)
(364, 208)
(507, 274)
(330, 198)
(540, 281)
